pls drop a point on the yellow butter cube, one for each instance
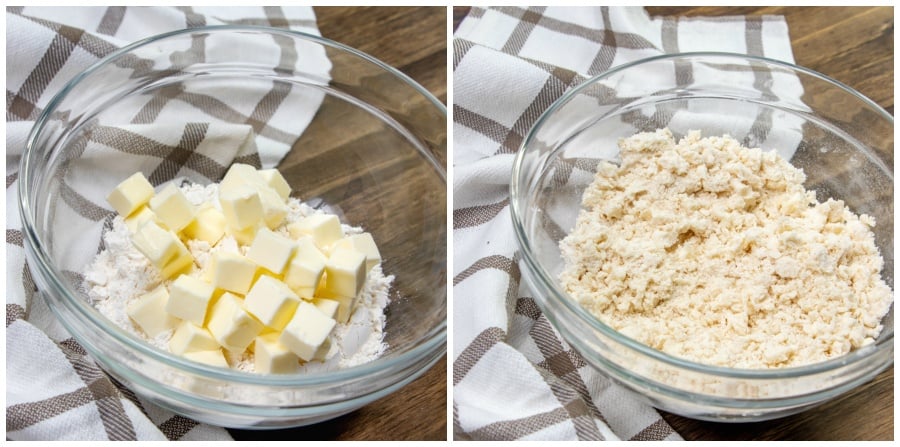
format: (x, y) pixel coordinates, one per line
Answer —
(208, 225)
(240, 174)
(244, 236)
(325, 229)
(271, 251)
(230, 324)
(172, 208)
(305, 270)
(162, 247)
(345, 272)
(182, 264)
(212, 357)
(327, 306)
(321, 354)
(131, 194)
(232, 272)
(271, 302)
(272, 357)
(189, 299)
(189, 337)
(149, 312)
(241, 206)
(363, 243)
(306, 331)
(274, 208)
(346, 305)
(139, 217)
(277, 182)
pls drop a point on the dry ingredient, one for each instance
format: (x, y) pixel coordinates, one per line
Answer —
(120, 274)
(716, 253)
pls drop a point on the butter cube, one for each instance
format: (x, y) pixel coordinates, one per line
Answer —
(208, 225)
(182, 264)
(211, 357)
(244, 236)
(232, 272)
(241, 206)
(304, 271)
(149, 312)
(189, 299)
(274, 208)
(364, 244)
(271, 251)
(241, 176)
(172, 208)
(162, 248)
(230, 324)
(139, 217)
(327, 306)
(321, 354)
(306, 331)
(271, 302)
(345, 272)
(325, 229)
(346, 305)
(189, 337)
(272, 357)
(131, 194)
(277, 182)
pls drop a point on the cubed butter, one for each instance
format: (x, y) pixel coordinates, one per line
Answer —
(272, 357)
(306, 331)
(131, 194)
(230, 324)
(277, 182)
(271, 302)
(162, 247)
(172, 208)
(139, 217)
(189, 299)
(271, 251)
(208, 225)
(182, 264)
(321, 354)
(149, 312)
(345, 272)
(325, 229)
(327, 306)
(273, 208)
(364, 244)
(189, 337)
(244, 236)
(346, 305)
(232, 272)
(304, 271)
(212, 357)
(241, 206)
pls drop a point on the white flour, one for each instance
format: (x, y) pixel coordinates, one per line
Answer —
(120, 274)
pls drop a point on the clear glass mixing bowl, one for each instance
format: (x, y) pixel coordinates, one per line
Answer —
(374, 152)
(842, 141)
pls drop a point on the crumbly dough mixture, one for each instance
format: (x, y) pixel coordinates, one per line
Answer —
(716, 253)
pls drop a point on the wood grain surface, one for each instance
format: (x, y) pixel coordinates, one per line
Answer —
(853, 45)
(414, 41)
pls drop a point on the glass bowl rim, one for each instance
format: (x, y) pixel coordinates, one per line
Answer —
(435, 338)
(541, 277)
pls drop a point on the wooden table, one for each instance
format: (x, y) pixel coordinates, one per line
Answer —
(855, 46)
(413, 40)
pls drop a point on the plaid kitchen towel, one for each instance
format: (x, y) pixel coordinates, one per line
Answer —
(54, 390)
(513, 376)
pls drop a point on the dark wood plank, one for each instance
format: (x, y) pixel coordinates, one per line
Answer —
(855, 46)
(413, 40)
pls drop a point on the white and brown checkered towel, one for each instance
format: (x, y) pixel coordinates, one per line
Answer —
(54, 390)
(513, 376)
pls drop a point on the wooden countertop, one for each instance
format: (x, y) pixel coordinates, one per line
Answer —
(855, 46)
(413, 40)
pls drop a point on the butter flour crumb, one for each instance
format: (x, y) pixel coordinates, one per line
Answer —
(120, 274)
(716, 253)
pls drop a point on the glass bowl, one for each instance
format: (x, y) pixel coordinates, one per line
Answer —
(842, 140)
(371, 148)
